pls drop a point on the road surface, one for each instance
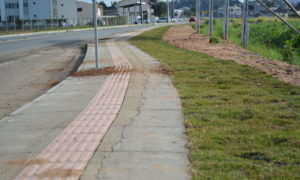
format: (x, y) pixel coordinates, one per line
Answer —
(31, 64)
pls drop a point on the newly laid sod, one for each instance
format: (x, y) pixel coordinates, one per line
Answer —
(240, 122)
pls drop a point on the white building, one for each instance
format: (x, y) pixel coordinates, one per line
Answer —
(131, 9)
(85, 12)
(38, 9)
(234, 11)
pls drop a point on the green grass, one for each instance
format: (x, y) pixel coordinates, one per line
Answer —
(240, 122)
(268, 37)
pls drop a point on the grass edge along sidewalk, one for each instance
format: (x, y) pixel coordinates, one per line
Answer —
(240, 122)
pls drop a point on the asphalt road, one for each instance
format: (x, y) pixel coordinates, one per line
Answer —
(31, 64)
(31, 42)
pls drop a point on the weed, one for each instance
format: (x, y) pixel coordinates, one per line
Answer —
(214, 40)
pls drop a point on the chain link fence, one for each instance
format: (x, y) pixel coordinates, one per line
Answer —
(16, 25)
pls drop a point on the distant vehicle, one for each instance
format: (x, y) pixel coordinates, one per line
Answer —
(192, 19)
(139, 21)
(173, 20)
(162, 20)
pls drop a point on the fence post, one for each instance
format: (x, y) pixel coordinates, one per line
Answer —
(198, 16)
(226, 15)
(51, 23)
(30, 24)
(6, 24)
(210, 18)
(57, 24)
(15, 28)
(244, 39)
(22, 24)
(45, 23)
(38, 24)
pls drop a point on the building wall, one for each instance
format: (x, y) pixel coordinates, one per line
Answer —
(40, 9)
(85, 12)
(133, 13)
(67, 9)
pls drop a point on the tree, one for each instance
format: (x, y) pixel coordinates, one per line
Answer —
(102, 3)
(160, 9)
(114, 5)
(298, 6)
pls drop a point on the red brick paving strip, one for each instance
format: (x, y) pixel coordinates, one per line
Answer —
(73, 148)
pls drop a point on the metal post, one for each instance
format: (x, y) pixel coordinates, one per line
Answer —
(96, 33)
(30, 24)
(279, 17)
(244, 37)
(45, 23)
(210, 18)
(38, 24)
(22, 24)
(57, 24)
(6, 24)
(198, 16)
(15, 28)
(51, 23)
(128, 16)
(168, 11)
(141, 12)
(134, 12)
(292, 7)
(226, 15)
(172, 16)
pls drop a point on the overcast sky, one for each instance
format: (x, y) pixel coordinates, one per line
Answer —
(107, 2)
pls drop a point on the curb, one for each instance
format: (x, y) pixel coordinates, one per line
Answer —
(64, 31)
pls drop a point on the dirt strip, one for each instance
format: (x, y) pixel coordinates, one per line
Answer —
(184, 36)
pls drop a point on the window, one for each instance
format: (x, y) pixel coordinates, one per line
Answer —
(25, 4)
(79, 9)
(33, 3)
(34, 15)
(12, 5)
(62, 5)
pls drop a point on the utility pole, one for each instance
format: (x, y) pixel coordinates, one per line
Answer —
(198, 16)
(244, 38)
(96, 33)
(211, 18)
(226, 14)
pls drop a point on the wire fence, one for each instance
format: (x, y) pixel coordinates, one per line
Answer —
(16, 25)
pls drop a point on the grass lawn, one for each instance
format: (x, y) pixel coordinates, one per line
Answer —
(267, 37)
(240, 122)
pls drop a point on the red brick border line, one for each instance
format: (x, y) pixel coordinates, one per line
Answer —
(68, 154)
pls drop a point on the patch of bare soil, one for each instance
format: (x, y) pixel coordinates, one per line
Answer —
(184, 36)
(26, 162)
(97, 72)
(60, 173)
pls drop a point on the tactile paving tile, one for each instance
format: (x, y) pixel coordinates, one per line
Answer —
(68, 154)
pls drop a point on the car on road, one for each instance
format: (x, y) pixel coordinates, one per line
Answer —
(139, 21)
(162, 20)
(192, 19)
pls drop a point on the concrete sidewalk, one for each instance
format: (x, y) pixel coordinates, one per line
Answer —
(145, 141)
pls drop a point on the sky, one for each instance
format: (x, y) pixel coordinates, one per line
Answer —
(107, 2)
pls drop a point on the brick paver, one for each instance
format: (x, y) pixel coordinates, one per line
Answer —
(68, 154)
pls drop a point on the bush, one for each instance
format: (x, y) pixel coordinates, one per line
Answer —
(213, 40)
